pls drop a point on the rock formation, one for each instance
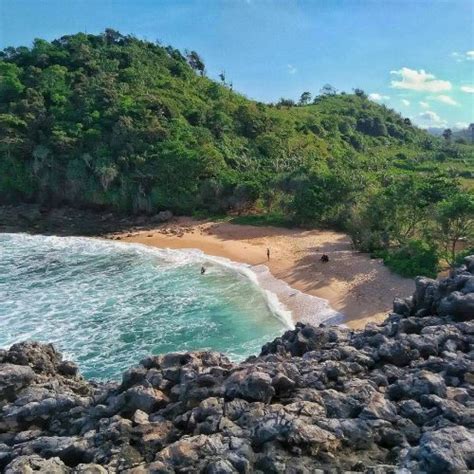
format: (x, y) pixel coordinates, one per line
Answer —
(395, 397)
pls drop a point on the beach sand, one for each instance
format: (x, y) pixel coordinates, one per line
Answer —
(360, 288)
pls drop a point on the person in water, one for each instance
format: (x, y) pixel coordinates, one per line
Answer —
(324, 258)
(203, 270)
(268, 254)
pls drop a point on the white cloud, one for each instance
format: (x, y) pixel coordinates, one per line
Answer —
(445, 99)
(425, 105)
(431, 119)
(378, 97)
(419, 81)
(406, 102)
(468, 89)
(292, 69)
(466, 56)
(461, 125)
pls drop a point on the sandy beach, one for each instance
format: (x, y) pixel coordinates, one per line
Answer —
(360, 288)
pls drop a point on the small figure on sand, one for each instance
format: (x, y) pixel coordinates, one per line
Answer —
(203, 270)
(324, 258)
(268, 254)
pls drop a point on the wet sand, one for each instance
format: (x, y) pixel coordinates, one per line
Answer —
(360, 288)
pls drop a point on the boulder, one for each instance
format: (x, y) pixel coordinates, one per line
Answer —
(448, 450)
(458, 305)
(394, 397)
(89, 469)
(36, 464)
(42, 358)
(379, 408)
(13, 378)
(253, 385)
(402, 306)
(146, 399)
(162, 216)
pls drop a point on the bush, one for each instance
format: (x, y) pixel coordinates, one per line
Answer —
(415, 258)
(462, 254)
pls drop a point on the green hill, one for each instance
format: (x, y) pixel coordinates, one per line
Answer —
(108, 121)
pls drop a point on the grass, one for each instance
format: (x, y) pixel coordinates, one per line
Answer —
(275, 220)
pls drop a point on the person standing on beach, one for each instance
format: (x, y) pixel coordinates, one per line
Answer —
(268, 254)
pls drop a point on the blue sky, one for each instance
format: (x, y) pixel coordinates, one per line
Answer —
(416, 56)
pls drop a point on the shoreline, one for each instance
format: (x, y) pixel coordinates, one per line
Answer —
(288, 304)
(360, 288)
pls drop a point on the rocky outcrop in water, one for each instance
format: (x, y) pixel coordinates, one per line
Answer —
(398, 397)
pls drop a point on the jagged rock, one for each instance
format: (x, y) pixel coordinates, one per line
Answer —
(250, 386)
(13, 378)
(68, 368)
(162, 216)
(402, 306)
(469, 263)
(379, 408)
(220, 467)
(396, 397)
(36, 464)
(425, 293)
(459, 305)
(396, 352)
(41, 358)
(146, 399)
(89, 469)
(448, 450)
(414, 386)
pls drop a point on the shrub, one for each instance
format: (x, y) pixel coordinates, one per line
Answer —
(415, 258)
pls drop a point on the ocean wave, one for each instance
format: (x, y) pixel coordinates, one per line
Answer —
(106, 304)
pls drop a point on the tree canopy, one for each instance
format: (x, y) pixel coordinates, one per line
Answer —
(112, 122)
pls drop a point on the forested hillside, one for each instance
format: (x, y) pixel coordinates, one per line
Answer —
(112, 122)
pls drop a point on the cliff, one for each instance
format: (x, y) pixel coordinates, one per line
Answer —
(394, 397)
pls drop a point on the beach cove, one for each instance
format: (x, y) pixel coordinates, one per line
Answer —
(360, 288)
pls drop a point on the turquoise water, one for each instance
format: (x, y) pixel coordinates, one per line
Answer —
(105, 304)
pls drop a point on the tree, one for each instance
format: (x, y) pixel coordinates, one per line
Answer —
(447, 134)
(327, 89)
(360, 93)
(111, 36)
(195, 61)
(470, 130)
(379, 127)
(285, 103)
(305, 98)
(10, 83)
(455, 220)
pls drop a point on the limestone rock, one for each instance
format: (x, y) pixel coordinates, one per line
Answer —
(394, 397)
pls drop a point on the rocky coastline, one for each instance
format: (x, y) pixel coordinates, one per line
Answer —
(394, 397)
(67, 221)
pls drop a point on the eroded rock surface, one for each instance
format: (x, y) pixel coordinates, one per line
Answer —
(398, 397)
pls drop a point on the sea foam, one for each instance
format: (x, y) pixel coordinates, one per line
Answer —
(107, 304)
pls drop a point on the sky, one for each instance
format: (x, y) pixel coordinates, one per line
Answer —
(416, 56)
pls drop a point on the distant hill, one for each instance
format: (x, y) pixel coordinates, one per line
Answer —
(112, 121)
(466, 134)
(436, 131)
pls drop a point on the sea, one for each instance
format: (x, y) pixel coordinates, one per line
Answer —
(106, 304)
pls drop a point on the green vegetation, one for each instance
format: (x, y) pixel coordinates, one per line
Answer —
(273, 219)
(112, 122)
(413, 258)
